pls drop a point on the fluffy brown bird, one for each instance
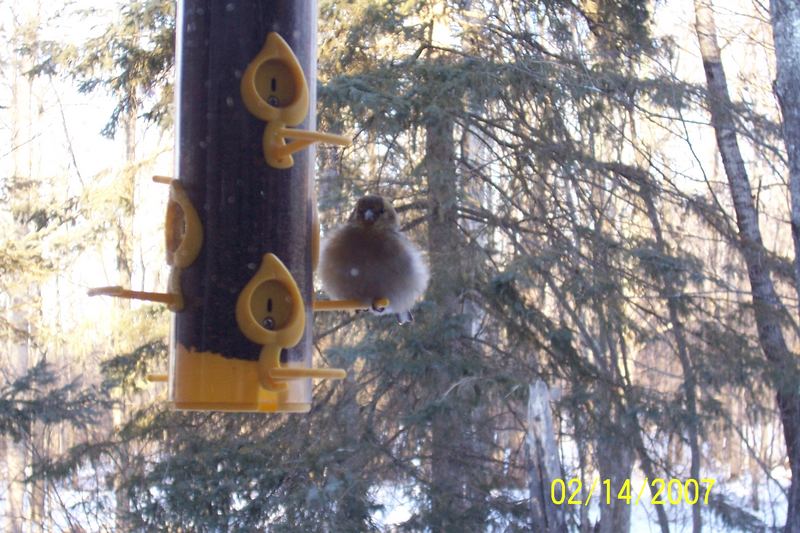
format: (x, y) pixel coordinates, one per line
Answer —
(369, 258)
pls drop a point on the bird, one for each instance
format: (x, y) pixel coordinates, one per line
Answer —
(369, 258)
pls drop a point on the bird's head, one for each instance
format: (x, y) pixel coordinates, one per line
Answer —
(374, 212)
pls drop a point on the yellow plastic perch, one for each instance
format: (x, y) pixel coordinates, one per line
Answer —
(348, 305)
(121, 292)
(274, 89)
(184, 239)
(270, 312)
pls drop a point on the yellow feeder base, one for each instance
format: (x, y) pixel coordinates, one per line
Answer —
(203, 381)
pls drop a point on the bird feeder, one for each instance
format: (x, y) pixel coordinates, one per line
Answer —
(242, 235)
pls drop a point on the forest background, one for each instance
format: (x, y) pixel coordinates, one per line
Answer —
(606, 192)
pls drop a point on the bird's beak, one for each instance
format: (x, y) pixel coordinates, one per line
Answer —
(369, 215)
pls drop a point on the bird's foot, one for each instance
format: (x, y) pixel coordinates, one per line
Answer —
(405, 318)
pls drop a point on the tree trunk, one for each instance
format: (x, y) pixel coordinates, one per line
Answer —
(544, 464)
(15, 450)
(669, 291)
(766, 306)
(615, 463)
(17, 357)
(786, 34)
(475, 193)
(38, 494)
(18, 362)
(447, 504)
(649, 472)
(124, 257)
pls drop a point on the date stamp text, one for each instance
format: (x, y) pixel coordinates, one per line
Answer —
(662, 491)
